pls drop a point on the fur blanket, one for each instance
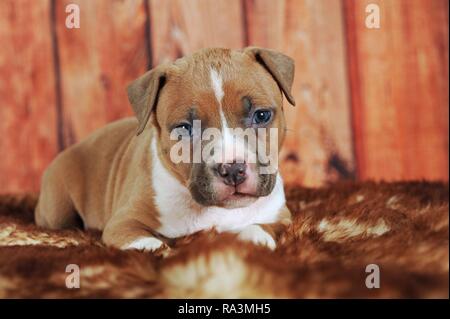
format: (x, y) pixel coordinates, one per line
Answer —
(337, 231)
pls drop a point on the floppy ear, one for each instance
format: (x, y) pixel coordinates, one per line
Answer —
(143, 94)
(280, 66)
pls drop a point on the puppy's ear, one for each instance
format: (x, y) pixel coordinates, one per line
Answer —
(143, 94)
(280, 66)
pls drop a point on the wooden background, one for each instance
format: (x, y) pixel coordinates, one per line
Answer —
(371, 103)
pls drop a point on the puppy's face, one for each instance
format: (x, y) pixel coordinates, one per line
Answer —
(203, 100)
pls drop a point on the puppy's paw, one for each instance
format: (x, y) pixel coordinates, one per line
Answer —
(145, 244)
(258, 236)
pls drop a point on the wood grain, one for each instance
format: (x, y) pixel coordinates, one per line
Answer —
(27, 94)
(98, 60)
(399, 80)
(318, 146)
(181, 27)
(376, 99)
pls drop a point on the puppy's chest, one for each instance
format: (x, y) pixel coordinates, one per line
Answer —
(179, 216)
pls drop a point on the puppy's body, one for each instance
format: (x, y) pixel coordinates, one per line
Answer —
(125, 185)
(110, 169)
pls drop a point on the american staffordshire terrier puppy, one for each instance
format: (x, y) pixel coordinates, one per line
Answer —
(121, 179)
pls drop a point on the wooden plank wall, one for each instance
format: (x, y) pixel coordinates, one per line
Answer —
(28, 128)
(370, 103)
(318, 147)
(399, 80)
(94, 64)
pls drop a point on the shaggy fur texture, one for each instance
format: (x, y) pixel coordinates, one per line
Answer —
(337, 231)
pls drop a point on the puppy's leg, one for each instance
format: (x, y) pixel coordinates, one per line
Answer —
(129, 233)
(257, 235)
(55, 209)
(267, 234)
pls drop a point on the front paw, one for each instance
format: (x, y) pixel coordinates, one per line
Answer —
(258, 236)
(145, 244)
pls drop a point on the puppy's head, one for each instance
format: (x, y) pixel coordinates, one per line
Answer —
(216, 114)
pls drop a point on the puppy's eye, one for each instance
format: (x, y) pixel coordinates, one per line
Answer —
(262, 117)
(184, 129)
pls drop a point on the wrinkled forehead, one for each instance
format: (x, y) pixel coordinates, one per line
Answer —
(203, 85)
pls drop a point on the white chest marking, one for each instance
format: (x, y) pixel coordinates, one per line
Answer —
(180, 215)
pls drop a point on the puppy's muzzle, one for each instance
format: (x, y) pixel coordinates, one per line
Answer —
(232, 174)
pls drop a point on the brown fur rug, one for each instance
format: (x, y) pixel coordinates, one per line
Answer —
(337, 231)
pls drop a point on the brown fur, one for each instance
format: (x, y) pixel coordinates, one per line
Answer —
(106, 178)
(188, 84)
(402, 227)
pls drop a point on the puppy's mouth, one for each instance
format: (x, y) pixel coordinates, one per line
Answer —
(233, 198)
(209, 190)
(239, 195)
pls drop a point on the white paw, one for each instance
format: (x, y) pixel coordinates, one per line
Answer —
(145, 244)
(258, 236)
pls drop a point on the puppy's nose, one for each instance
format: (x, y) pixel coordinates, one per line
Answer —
(232, 174)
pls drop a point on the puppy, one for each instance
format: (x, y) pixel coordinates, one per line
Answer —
(122, 179)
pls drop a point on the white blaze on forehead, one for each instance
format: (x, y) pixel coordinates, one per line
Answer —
(230, 147)
(217, 85)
